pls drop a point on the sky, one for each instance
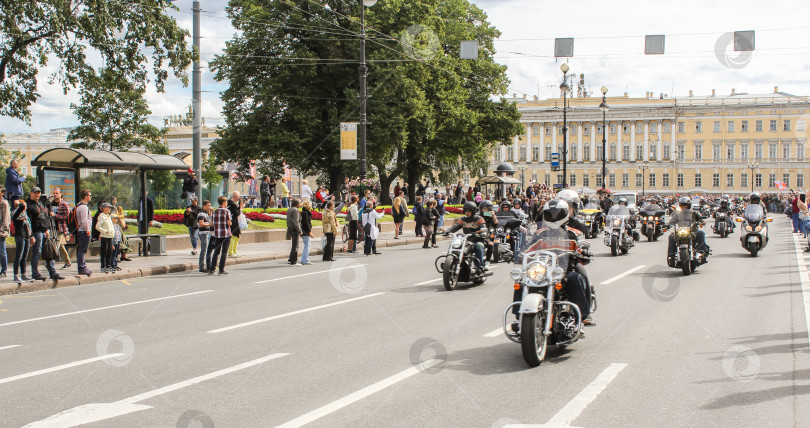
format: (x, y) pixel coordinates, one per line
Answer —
(608, 50)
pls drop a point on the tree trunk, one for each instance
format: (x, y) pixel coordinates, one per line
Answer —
(412, 172)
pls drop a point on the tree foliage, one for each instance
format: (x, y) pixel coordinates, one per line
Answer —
(113, 113)
(162, 181)
(32, 32)
(210, 173)
(428, 109)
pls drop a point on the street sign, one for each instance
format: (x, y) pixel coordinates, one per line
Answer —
(555, 161)
(348, 141)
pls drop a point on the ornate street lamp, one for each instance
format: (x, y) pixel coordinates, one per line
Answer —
(644, 167)
(604, 108)
(565, 89)
(752, 167)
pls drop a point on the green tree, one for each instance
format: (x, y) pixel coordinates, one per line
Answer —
(126, 35)
(210, 174)
(113, 113)
(162, 181)
(429, 110)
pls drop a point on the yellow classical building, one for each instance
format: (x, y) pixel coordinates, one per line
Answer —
(662, 144)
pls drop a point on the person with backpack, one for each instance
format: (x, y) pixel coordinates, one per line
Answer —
(81, 222)
(190, 221)
(40, 227)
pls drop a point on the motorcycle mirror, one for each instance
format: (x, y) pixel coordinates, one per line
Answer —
(586, 245)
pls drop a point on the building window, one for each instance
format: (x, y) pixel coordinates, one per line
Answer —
(612, 151)
(612, 180)
(730, 181)
(665, 179)
(548, 129)
(716, 126)
(698, 180)
(535, 129)
(758, 125)
(716, 152)
(586, 180)
(599, 128)
(758, 151)
(548, 153)
(785, 151)
(639, 128)
(715, 180)
(535, 152)
(652, 179)
(625, 128)
(599, 180)
(698, 127)
(800, 181)
(665, 150)
(625, 180)
(638, 179)
(573, 153)
(653, 127)
(559, 129)
(772, 125)
(744, 151)
(744, 126)
(730, 126)
(680, 179)
(547, 179)
(586, 129)
(730, 151)
(573, 129)
(681, 152)
(586, 153)
(698, 151)
(757, 180)
(612, 129)
(559, 178)
(771, 179)
(600, 152)
(626, 151)
(681, 127)
(639, 151)
(743, 180)
(772, 151)
(800, 152)
(497, 154)
(786, 126)
(667, 126)
(523, 152)
(510, 153)
(653, 151)
(573, 180)
(786, 179)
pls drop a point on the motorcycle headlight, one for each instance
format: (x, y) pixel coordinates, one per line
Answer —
(536, 271)
(617, 222)
(516, 274)
(683, 231)
(499, 230)
(651, 218)
(557, 274)
(457, 243)
(748, 228)
(759, 228)
(656, 218)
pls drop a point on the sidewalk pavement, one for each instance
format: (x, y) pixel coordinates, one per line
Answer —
(182, 261)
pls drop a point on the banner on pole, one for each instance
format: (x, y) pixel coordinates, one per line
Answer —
(348, 141)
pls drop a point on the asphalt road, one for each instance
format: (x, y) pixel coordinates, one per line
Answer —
(376, 341)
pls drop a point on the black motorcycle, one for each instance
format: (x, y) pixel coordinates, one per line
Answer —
(687, 256)
(504, 240)
(652, 224)
(722, 224)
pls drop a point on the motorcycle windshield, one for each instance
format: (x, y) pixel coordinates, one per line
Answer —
(548, 239)
(681, 223)
(591, 206)
(618, 211)
(754, 213)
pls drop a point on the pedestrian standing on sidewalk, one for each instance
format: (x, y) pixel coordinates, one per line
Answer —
(14, 181)
(190, 221)
(60, 211)
(5, 230)
(204, 223)
(306, 230)
(235, 206)
(398, 211)
(40, 226)
(190, 184)
(370, 229)
(221, 224)
(306, 192)
(284, 193)
(419, 216)
(435, 212)
(293, 231)
(264, 191)
(352, 216)
(430, 216)
(106, 233)
(330, 228)
(23, 238)
(83, 230)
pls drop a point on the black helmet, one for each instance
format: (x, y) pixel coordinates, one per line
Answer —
(517, 202)
(724, 203)
(556, 213)
(471, 207)
(485, 205)
(506, 206)
(685, 202)
(754, 198)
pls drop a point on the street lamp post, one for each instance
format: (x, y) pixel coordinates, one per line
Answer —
(565, 89)
(604, 108)
(644, 167)
(752, 167)
(522, 175)
(363, 75)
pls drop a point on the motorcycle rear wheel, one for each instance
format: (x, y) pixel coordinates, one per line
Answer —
(532, 339)
(450, 276)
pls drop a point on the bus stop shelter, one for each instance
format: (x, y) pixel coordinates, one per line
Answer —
(60, 167)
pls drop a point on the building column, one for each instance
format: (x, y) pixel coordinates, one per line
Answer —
(658, 147)
(673, 141)
(632, 141)
(646, 141)
(593, 143)
(554, 139)
(542, 145)
(579, 141)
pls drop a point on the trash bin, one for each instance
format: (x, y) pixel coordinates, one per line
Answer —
(157, 245)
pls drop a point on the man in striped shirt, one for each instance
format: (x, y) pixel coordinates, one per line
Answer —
(220, 237)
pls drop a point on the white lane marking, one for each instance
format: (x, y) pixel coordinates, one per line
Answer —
(288, 314)
(95, 412)
(622, 275)
(357, 396)
(495, 333)
(9, 347)
(428, 282)
(310, 273)
(574, 408)
(104, 308)
(57, 368)
(805, 280)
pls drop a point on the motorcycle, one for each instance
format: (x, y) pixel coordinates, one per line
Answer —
(721, 226)
(545, 316)
(503, 243)
(754, 230)
(459, 263)
(617, 235)
(593, 218)
(687, 256)
(652, 224)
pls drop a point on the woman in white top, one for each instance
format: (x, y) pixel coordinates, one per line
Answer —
(306, 191)
(369, 221)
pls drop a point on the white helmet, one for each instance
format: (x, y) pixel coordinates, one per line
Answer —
(556, 213)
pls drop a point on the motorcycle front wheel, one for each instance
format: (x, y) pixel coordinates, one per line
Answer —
(686, 263)
(450, 275)
(439, 263)
(532, 339)
(614, 246)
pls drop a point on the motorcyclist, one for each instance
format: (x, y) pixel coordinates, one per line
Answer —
(755, 198)
(686, 214)
(488, 214)
(555, 215)
(476, 227)
(572, 199)
(724, 209)
(621, 206)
